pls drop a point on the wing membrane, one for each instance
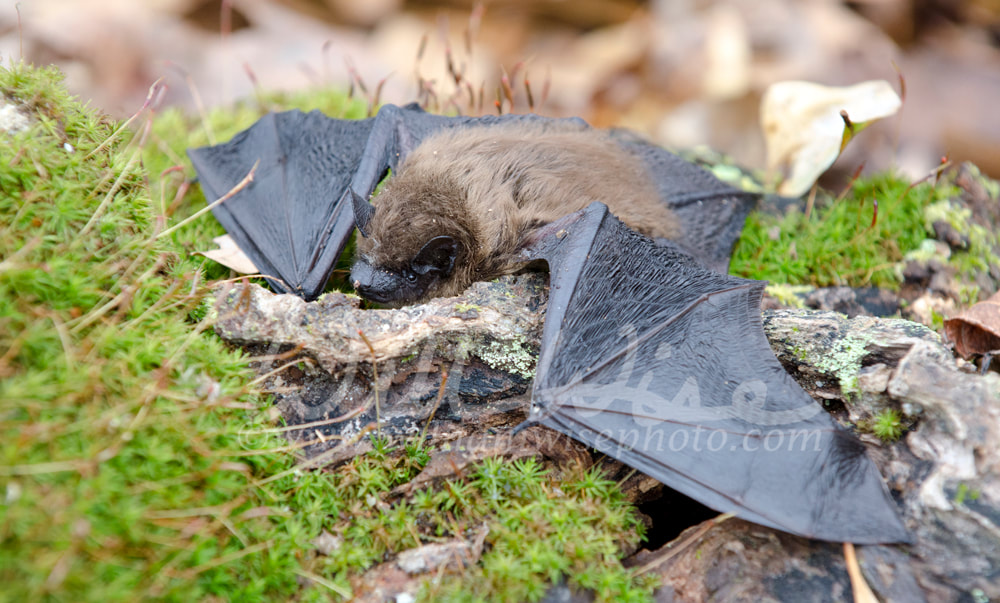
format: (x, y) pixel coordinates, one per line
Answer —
(663, 365)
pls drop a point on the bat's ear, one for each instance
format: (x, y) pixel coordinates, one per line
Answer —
(363, 212)
(437, 255)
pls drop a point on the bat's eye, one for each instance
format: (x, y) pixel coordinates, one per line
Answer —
(410, 276)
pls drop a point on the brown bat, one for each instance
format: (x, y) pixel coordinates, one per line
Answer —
(461, 205)
(650, 352)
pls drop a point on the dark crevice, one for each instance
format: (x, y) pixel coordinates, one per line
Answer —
(671, 514)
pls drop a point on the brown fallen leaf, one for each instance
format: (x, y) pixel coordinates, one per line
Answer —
(977, 330)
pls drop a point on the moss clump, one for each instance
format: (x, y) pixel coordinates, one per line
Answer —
(542, 530)
(133, 463)
(887, 425)
(788, 295)
(981, 255)
(838, 245)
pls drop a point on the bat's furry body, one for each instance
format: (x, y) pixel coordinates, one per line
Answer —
(489, 187)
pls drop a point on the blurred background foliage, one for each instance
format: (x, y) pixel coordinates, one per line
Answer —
(683, 72)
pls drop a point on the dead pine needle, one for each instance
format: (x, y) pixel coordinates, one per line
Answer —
(378, 412)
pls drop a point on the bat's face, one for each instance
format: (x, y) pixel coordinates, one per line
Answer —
(399, 283)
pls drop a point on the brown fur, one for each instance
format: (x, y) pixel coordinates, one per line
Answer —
(488, 187)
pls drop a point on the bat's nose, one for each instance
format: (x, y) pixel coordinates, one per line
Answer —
(372, 283)
(362, 275)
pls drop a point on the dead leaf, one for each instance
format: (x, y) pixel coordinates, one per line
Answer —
(454, 554)
(230, 256)
(977, 330)
(805, 128)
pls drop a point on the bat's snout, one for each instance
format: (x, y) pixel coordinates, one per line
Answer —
(373, 283)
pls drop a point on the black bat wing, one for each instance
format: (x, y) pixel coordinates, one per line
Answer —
(663, 365)
(294, 219)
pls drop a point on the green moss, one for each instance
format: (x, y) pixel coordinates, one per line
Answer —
(119, 418)
(982, 252)
(887, 425)
(542, 530)
(788, 295)
(133, 459)
(965, 492)
(837, 244)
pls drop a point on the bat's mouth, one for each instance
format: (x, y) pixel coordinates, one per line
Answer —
(373, 294)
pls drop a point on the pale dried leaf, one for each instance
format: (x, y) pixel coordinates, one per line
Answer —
(230, 256)
(804, 130)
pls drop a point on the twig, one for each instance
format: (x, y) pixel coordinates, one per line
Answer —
(862, 592)
(239, 186)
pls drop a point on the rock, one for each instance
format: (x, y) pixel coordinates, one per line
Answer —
(400, 579)
(863, 301)
(832, 357)
(952, 491)
(946, 472)
(945, 232)
(735, 560)
(326, 543)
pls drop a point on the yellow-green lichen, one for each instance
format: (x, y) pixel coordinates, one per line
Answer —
(982, 244)
(511, 355)
(788, 295)
(844, 362)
